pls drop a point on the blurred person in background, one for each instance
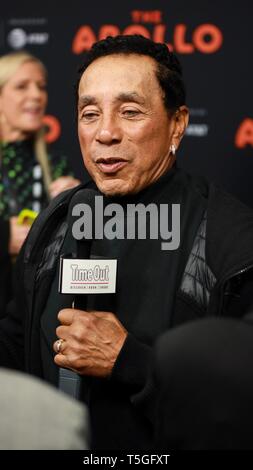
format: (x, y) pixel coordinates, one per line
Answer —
(29, 175)
(35, 416)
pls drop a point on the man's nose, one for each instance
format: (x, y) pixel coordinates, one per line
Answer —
(109, 131)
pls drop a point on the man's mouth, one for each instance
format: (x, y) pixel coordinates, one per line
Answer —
(110, 165)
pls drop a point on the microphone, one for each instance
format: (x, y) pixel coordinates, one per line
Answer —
(70, 381)
(83, 275)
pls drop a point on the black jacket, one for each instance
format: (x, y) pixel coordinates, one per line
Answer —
(213, 276)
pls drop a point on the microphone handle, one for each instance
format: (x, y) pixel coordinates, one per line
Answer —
(70, 381)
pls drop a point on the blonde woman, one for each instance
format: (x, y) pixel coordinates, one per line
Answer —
(29, 175)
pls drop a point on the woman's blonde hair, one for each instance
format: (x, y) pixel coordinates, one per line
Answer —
(9, 64)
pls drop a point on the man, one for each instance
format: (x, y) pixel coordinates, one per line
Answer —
(131, 119)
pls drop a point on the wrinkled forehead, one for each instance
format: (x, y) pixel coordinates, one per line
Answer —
(119, 73)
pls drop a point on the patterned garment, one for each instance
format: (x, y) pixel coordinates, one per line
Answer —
(21, 182)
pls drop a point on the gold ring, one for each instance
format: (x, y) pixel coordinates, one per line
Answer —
(58, 345)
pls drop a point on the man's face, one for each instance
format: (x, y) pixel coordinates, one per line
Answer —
(124, 129)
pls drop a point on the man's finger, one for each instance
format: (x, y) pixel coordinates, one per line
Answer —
(62, 331)
(66, 316)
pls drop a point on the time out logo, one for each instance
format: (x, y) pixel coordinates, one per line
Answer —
(205, 38)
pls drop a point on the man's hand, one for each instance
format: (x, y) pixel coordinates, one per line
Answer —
(91, 341)
(18, 234)
(61, 184)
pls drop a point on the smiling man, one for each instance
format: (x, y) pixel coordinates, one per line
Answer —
(125, 131)
(131, 119)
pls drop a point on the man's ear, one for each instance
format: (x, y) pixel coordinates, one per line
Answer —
(181, 118)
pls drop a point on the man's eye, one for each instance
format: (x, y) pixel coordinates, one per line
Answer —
(89, 116)
(130, 112)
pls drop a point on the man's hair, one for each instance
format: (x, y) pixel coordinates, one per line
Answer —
(168, 70)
